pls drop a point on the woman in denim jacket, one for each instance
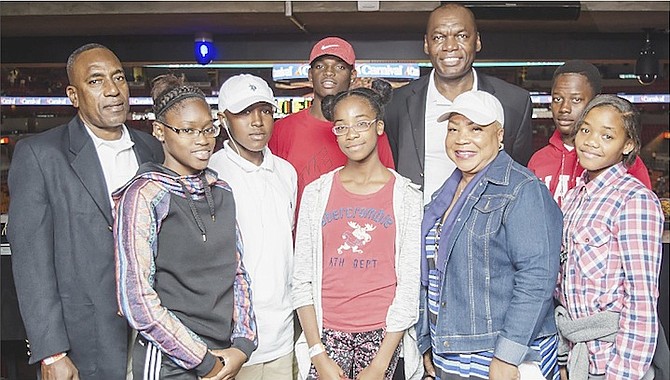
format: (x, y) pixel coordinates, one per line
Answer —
(492, 236)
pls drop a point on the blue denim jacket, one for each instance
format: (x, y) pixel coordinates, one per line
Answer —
(501, 268)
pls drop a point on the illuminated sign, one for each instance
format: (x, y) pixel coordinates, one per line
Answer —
(286, 71)
(647, 98)
(285, 105)
(65, 101)
(633, 98)
(294, 103)
(293, 71)
(288, 105)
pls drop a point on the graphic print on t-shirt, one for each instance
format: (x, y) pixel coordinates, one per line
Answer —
(356, 238)
(358, 230)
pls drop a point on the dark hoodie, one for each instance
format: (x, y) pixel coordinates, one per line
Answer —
(181, 282)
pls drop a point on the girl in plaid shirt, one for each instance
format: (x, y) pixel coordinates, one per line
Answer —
(611, 252)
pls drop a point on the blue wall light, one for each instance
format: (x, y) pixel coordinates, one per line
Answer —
(204, 49)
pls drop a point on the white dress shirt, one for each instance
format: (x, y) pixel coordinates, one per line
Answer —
(117, 158)
(437, 165)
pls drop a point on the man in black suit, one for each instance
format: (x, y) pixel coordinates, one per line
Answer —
(417, 139)
(60, 219)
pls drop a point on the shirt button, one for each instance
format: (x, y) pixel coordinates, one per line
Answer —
(109, 228)
(446, 344)
(587, 240)
(443, 304)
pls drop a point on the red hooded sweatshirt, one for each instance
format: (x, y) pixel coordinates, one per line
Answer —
(559, 167)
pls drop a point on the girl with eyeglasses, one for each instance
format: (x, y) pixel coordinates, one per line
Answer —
(180, 279)
(357, 253)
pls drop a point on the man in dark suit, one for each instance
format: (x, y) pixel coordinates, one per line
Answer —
(417, 139)
(60, 219)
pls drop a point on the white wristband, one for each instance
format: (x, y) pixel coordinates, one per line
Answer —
(54, 358)
(316, 350)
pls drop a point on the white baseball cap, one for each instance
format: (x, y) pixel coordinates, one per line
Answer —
(241, 91)
(479, 106)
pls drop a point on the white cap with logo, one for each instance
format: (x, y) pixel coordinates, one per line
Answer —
(479, 106)
(240, 91)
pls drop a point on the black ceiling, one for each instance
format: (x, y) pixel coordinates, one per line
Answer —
(158, 31)
(23, 19)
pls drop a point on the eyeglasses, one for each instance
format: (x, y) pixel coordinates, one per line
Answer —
(361, 126)
(194, 133)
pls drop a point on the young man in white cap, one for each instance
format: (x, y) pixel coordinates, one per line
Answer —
(264, 188)
(305, 139)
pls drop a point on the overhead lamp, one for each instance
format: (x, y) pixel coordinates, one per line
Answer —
(646, 67)
(204, 49)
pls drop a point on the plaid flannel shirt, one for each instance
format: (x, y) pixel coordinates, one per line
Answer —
(612, 238)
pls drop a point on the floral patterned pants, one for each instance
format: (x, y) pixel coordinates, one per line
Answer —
(353, 352)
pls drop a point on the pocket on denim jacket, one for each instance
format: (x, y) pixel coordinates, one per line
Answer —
(593, 251)
(486, 217)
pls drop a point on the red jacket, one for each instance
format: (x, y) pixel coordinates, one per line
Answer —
(559, 167)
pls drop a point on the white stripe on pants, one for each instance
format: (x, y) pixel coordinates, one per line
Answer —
(152, 363)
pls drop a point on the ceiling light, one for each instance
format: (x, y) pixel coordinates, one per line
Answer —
(204, 49)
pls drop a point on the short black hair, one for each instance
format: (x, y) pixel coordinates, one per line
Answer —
(73, 57)
(587, 69)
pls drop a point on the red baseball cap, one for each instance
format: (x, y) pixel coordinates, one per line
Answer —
(334, 46)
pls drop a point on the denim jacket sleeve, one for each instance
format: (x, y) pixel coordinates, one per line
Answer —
(422, 327)
(533, 224)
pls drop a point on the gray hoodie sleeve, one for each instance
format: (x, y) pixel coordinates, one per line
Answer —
(404, 310)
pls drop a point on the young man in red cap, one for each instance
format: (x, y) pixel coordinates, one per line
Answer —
(305, 138)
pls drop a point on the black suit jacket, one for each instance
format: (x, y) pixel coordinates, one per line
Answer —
(405, 123)
(60, 234)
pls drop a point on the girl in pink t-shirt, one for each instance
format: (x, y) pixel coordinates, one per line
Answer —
(355, 283)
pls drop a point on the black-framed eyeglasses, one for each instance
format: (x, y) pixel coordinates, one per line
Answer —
(361, 126)
(194, 133)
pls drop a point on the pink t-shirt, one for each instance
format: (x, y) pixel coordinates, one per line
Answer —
(359, 278)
